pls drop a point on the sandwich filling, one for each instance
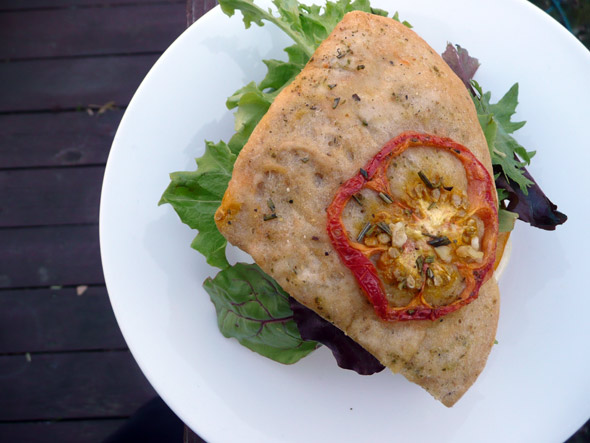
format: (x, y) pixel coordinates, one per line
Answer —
(417, 227)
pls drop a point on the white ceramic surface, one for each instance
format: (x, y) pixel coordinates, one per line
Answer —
(536, 385)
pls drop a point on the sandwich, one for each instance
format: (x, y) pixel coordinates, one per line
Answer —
(366, 192)
(377, 134)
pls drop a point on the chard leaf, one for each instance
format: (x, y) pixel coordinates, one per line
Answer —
(254, 309)
(196, 195)
(348, 353)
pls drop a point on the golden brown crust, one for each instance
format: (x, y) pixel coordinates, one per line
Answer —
(370, 80)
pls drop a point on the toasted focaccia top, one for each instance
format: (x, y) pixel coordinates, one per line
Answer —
(370, 81)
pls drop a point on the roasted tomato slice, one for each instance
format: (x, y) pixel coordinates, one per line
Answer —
(417, 226)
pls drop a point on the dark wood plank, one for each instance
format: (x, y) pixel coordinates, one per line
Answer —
(71, 385)
(38, 197)
(24, 5)
(190, 437)
(56, 139)
(46, 320)
(196, 8)
(56, 84)
(90, 31)
(77, 431)
(46, 256)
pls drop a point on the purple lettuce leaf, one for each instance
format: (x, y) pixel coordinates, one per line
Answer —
(462, 64)
(348, 353)
(534, 208)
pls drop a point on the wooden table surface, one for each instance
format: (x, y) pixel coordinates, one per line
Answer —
(68, 69)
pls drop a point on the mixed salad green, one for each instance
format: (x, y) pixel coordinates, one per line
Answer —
(250, 305)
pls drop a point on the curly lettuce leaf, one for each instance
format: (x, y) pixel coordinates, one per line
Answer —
(495, 120)
(189, 192)
(196, 195)
(254, 309)
(308, 26)
(514, 183)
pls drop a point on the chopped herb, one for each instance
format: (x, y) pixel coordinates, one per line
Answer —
(305, 159)
(407, 212)
(332, 86)
(268, 217)
(420, 264)
(383, 226)
(411, 311)
(359, 67)
(429, 259)
(364, 173)
(358, 198)
(439, 241)
(336, 102)
(364, 231)
(427, 182)
(386, 198)
(271, 205)
(431, 205)
(356, 97)
(365, 122)
(429, 273)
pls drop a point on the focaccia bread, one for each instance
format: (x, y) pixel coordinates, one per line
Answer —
(369, 81)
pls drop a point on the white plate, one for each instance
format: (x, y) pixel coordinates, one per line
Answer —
(535, 386)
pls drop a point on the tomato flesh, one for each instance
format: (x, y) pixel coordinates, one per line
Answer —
(422, 252)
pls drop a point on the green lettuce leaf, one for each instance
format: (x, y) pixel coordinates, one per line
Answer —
(495, 120)
(254, 309)
(506, 220)
(196, 195)
(308, 26)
